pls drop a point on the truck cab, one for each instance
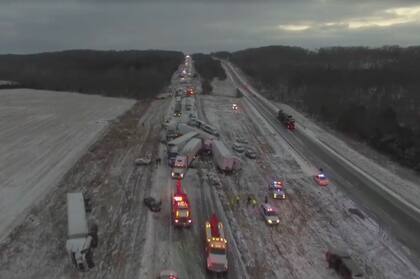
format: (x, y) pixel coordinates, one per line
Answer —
(181, 209)
(216, 246)
(80, 241)
(179, 167)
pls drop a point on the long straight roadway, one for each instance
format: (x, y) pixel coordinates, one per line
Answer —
(391, 211)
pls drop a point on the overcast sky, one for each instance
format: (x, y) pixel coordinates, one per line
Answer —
(204, 25)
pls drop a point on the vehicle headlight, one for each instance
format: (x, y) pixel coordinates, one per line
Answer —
(182, 175)
(173, 174)
(278, 221)
(269, 221)
(284, 196)
(275, 195)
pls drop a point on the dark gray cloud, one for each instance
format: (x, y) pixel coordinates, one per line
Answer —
(187, 25)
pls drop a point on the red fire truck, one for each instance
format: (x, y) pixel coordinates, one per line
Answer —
(181, 208)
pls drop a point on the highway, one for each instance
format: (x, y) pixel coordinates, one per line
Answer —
(392, 213)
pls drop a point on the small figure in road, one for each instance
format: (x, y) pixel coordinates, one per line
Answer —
(237, 201)
(266, 199)
(249, 200)
(254, 202)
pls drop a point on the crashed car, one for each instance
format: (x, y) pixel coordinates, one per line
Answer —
(142, 161)
(270, 214)
(241, 140)
(152, 204)
(238, 147)
(321, 179)
(168, 274)
(250, 153)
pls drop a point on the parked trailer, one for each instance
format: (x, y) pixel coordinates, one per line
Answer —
(184, 128)
(191, 149)
(182, 140)
(223, 158)
(80, 241)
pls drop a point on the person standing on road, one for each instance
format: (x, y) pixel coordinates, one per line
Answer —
(266, 199)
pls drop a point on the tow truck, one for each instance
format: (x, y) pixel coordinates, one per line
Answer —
(215, 246)
(181, 208)
(276, 189)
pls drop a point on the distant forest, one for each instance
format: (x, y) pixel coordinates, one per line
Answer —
(129, 74)
(371, 94)
(208, 68)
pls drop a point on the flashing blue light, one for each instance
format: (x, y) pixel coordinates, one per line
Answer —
(321, 175)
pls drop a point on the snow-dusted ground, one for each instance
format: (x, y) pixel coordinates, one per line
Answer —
(42, 134)
(136, 243)
(388, 174)
(406, 188)
(313, 218)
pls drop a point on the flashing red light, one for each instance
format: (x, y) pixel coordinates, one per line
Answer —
(178, 198)
(213, 226)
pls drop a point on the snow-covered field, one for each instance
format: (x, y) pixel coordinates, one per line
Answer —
(42, 134)
(136, 243)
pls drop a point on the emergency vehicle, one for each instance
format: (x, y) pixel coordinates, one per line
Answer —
(321, 179)
(181, 208)
(276, 189)
(269, 214)
(215, 246)
(190, 92)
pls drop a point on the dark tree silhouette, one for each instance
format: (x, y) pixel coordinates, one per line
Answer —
(131, 74)
(368, 93)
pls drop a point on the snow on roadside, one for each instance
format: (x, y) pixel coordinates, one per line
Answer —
(312, 219)
(42, 135)
(406, 188)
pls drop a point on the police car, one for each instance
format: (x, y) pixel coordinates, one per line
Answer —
(269, 214)
(321, 179)
(276, 189)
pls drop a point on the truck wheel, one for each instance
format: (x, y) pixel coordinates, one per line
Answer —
(89, 259)
(94, 234)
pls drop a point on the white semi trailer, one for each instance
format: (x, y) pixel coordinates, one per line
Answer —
(80, 241)
(223, 158)
(191, 149)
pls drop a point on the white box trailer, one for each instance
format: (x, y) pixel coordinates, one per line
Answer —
(182, 140)
(184, 128)
(223, 158)
(79, 241)
(191, 149)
